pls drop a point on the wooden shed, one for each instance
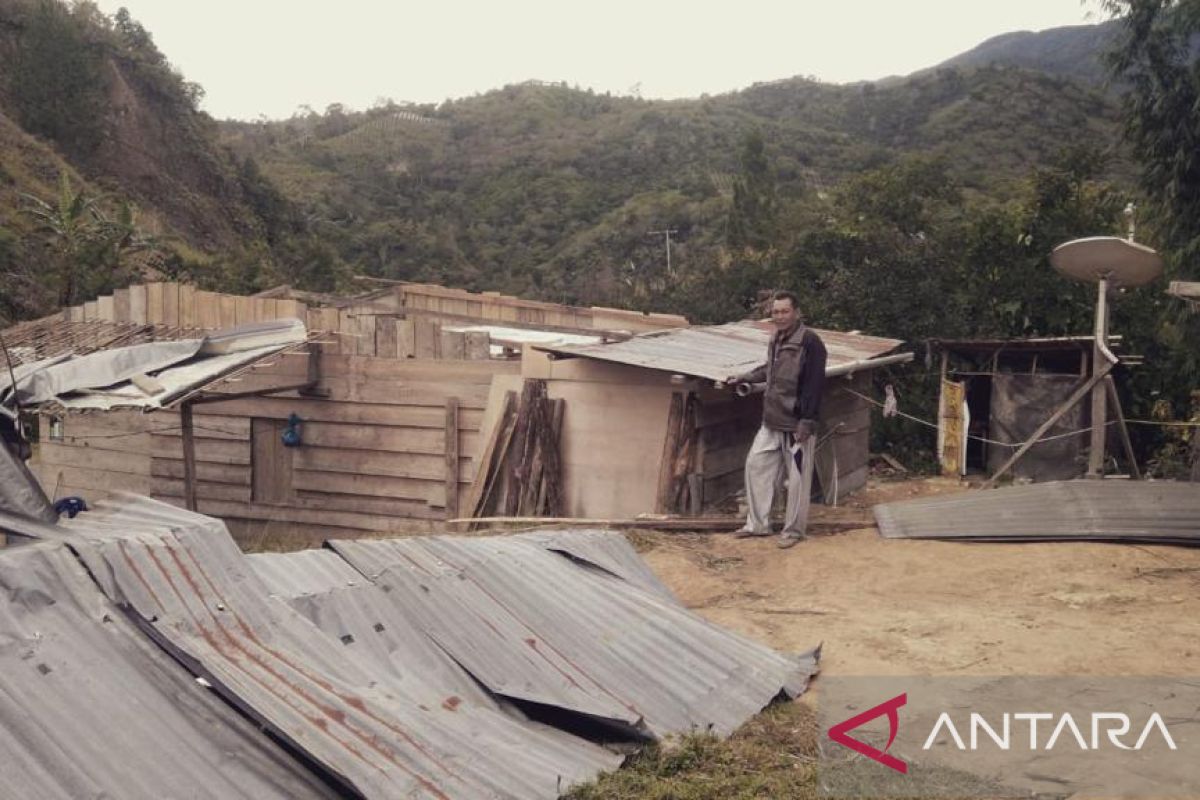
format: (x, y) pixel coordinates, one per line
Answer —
(650, 428)
(389, 396)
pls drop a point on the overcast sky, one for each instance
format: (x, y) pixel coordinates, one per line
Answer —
(267, 57)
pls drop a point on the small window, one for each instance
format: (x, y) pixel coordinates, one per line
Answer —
(56, 429)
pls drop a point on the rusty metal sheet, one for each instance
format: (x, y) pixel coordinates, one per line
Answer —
(1160, 512)
(533, 626)
(183, 577)
(356, 613)
(719, 351)
(89, 707)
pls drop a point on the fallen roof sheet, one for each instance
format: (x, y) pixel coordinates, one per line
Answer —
(578, 639)
(184, 578)
(107, 378)
(1160, 512)
(603, 549)
(718, 351)
(89, 707)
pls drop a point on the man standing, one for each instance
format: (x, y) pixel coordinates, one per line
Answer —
(786, 442)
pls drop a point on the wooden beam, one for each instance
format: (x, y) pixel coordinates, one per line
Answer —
(217, 397)
(484, 468)
(189, 456)
(1075, 397)
(666, 466)
(451, 457)
(1111, 386)
(1188, 289)
(667, 523)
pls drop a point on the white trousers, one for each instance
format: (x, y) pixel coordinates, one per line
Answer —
(769, 461)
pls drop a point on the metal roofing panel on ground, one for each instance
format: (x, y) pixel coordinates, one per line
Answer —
(185, 579)
(1102, 510)
(719, 351)
(89, 707)
(350, 609)
(531, 625)
(607, 550)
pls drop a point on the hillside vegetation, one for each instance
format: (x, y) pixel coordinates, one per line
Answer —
(553, 191)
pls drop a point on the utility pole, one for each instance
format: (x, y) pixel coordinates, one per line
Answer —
(667, 235)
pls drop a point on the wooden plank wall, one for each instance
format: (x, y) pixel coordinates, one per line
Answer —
(181, 305)
(373, 460)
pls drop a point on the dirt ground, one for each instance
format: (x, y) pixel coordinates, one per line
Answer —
(893, 607)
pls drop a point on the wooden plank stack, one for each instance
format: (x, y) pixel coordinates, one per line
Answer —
(521, 464)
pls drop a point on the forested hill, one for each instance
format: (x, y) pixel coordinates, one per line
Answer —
(553, 191)
(107, 168)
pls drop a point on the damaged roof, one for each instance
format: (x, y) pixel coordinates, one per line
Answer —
(717, 351)
(337, 661)
(1158, 512)
(143, 375)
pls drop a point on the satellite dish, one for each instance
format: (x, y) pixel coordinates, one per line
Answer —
(1122, 262)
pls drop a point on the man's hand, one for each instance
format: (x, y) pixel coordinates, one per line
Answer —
(805, 428)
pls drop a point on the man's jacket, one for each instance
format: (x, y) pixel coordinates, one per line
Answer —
(795, 378)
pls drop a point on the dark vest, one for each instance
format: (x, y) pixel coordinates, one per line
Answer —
(785, 360)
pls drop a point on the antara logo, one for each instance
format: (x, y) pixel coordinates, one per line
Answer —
(838, 733)
(1106, 728)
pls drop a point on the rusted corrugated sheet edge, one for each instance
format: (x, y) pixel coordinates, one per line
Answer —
(630, 648)
(89, 707)
(1112, 510)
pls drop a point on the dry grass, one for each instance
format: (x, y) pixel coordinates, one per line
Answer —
(774, 755)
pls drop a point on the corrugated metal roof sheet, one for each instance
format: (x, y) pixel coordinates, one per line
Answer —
(359, 676)
(605, 549)
(91, 708)
(531, 625)
(102, 379)
(1111, 510)
(350, 609)
(183, 576)
(718, 351)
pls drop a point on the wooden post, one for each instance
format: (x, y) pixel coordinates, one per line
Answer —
(1099, 395)
(189, 456)
(451, 457)
(666, 467)
(1121, 428)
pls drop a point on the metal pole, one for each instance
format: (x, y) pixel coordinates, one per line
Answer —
(1099, 393)
(667, 235)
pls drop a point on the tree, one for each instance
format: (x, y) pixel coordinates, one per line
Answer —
(1155, 61)
(58, 83)
(88, 248)
(754, 215)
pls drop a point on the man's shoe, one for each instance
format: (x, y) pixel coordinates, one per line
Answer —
(787, 540)
(746, 533)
